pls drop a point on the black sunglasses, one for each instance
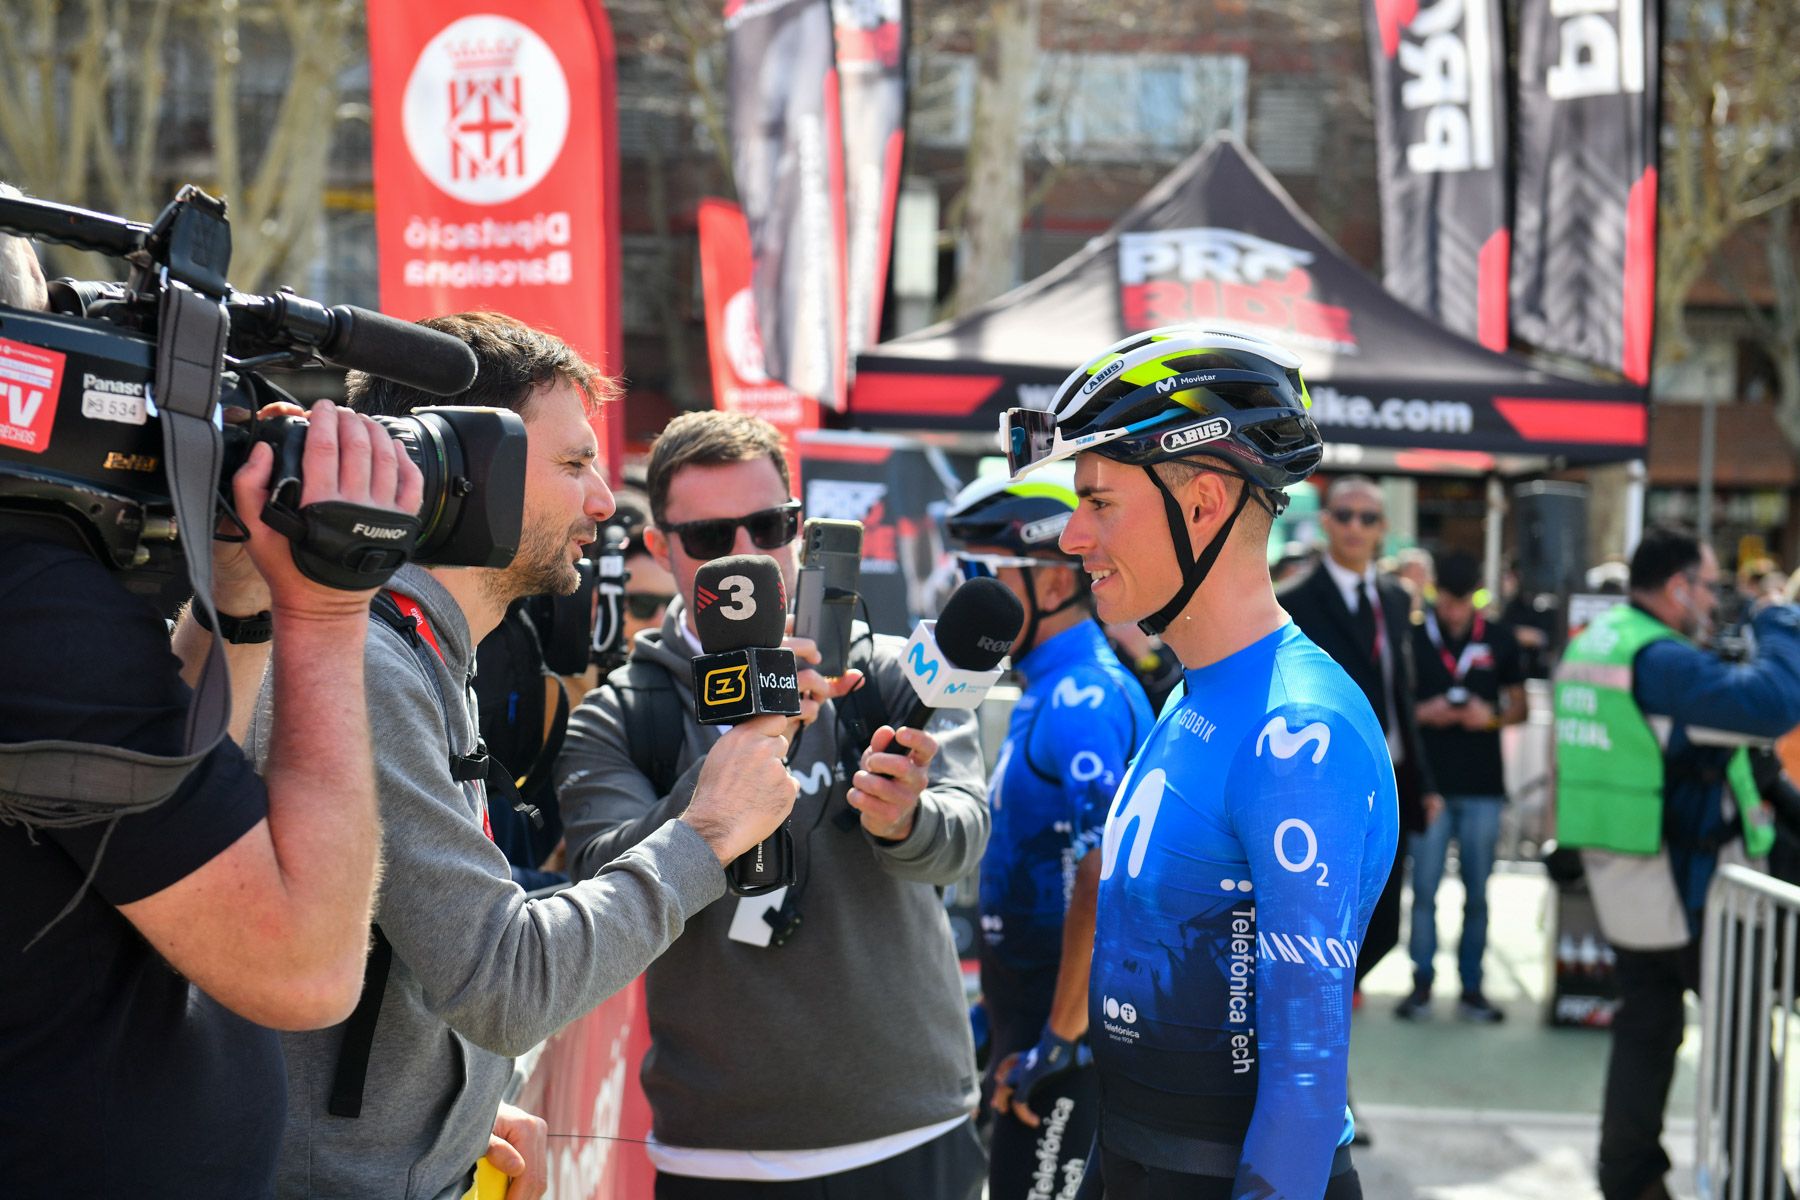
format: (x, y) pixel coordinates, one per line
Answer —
(1344, 516)
(644, 605)
(770, 529)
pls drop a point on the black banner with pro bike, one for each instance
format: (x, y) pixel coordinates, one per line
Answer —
(1439, 75)
(1584, 251)
(1218, 240)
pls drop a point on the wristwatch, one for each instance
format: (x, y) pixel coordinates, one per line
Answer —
(240, 631)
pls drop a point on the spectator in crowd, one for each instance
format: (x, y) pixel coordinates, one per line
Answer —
(1654, 795)
(465, 972)
(147, 957)
(1073, 731)
(1362, 619)
(1470, 685)
(1413, 568)
(1532, 618)
(813, 1041)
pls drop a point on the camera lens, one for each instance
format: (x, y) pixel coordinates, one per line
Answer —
(473, 463)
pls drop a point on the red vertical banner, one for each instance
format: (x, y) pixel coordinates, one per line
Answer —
(740, 377)
(787, 155)
(871, 58)
(496, 174)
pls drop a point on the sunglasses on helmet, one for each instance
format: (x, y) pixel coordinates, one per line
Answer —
(769, 529)
(1032, 437)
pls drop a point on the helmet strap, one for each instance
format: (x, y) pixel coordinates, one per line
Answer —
(1034, 613)
(1193, 570)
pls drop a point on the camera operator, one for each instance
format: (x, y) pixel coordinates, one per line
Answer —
(142, 952)
(466, 973)
(815, 1039)
(1654, 787)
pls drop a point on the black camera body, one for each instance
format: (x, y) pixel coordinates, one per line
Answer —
(81, 433)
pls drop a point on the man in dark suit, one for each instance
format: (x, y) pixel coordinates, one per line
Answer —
(1363, 620)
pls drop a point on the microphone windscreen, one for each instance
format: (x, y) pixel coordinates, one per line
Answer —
(739, 601)
(408, 353)
(978, 624)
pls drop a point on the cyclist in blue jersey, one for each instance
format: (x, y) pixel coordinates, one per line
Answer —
(1248, 844)
(1077, 722)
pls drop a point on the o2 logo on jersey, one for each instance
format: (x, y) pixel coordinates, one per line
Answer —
(1309, 840)
(1067, 695)
(1285, 743)
(1086, 767)
(1138, 813)
(1119, 1010)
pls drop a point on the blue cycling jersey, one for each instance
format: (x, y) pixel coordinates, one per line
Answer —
(1073, 731)
(1242, 858)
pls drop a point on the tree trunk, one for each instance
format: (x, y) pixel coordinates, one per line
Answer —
(992, 204)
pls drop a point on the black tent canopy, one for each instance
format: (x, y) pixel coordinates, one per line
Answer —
(1219, 240)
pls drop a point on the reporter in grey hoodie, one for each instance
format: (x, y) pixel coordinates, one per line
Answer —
(839, 1061)
(480, 974)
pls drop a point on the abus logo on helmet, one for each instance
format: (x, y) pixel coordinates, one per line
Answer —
(1094, 383)
(1178, 440)
(1046, 529)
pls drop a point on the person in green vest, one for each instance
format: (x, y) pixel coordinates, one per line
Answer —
(1653, 788)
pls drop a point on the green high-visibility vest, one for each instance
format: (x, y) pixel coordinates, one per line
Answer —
(1609, 763)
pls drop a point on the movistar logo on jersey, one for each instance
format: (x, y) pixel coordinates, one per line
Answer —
(1137, 814)
(1067, 695)
(1285, 743)
(1178, 440)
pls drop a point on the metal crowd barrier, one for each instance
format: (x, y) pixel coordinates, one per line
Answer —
(1747, 1120)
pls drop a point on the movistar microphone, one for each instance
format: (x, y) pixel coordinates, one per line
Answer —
(953, 661)
(740, 611)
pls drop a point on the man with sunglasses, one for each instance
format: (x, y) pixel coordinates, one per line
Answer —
(1364, 620)
(814, 1041)
(1654, 787)
(1074, 729)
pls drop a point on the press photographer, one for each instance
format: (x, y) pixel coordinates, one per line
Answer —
(163, 901)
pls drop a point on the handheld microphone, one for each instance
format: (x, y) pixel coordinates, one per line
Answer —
(953, 661)
(740, 612)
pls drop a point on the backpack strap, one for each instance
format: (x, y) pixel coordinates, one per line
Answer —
(650, 708)
(347, 1082)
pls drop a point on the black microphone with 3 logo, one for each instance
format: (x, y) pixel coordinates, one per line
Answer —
(740, 613)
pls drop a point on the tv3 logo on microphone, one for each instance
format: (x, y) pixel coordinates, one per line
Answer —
(725, 685)
(736, 588)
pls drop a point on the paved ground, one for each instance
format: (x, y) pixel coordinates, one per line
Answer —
(1467, 1112)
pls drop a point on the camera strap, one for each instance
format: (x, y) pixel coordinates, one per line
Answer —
(65, 784)
(57, 784)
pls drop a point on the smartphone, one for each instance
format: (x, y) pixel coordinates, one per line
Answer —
(825, 597)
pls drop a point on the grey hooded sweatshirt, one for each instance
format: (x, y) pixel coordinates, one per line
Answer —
(480, 974)
(854, 1029)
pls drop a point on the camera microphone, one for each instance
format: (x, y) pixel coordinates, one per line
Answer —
(740, 612)
(953, 661)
